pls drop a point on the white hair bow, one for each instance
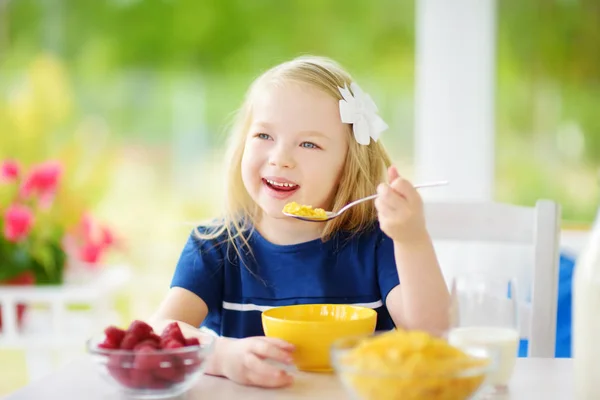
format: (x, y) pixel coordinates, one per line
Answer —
(360, 111)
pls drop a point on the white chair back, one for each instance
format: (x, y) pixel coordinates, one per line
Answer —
(538, 228)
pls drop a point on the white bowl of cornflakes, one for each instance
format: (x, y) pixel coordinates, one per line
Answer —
(409, 365)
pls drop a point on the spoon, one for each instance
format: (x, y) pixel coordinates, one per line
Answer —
(333, 214)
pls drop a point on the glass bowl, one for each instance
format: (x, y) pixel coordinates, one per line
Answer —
(153, 374)
(364, 377)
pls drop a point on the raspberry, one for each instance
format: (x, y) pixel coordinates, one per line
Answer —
(137, 332)
(147, 343)
(121, 375)
(119, 366)
(172, 373)
(120, 360)
(171, 344)
(140, 329)
(140, 378)
(147, 357)
(172, 331)
(108, 344)
(158, 364)
(155, 338)
(192, 341)
(114, 335)
(129, 341)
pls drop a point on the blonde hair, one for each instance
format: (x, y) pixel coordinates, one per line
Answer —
(365, 166)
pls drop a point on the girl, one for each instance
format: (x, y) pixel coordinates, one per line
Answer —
(305, 133)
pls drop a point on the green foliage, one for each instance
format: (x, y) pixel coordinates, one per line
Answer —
(43, 255)
(129, 58)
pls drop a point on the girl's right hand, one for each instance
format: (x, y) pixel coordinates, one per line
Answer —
(245, 361)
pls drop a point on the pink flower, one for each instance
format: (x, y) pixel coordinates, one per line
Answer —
(18, 221)
(42, 181)
(9, 171)
(90, 240)
(91, 252)
(87, 226)
(108, 238)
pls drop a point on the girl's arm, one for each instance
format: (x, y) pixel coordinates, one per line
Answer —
(421, 301)
(196, 287)
(181, 305)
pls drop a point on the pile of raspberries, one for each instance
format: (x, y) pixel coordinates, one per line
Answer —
(150, 362)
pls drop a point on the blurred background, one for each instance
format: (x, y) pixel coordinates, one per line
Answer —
(134, 97)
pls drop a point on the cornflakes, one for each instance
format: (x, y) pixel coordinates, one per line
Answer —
(304, 211)
(411, 365)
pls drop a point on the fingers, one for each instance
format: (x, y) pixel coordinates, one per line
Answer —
(275, 349)
(259, 361)
(260, 373)
(389, 200)
(403, 186)
(399, 208)
(277, 342)
(399, 196)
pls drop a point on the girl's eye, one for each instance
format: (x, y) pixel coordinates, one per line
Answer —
(309, 145)
(263, 136)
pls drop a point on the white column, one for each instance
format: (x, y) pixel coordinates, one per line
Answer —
(455, 80)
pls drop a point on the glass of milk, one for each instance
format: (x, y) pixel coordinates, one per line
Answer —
(484, 313)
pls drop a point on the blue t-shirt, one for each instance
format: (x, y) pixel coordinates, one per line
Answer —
(347, 269)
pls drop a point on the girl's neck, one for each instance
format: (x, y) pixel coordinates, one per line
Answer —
(286, 231)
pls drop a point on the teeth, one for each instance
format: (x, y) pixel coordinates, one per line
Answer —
(280, 184)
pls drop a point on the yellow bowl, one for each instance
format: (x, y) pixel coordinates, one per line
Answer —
(312, 328)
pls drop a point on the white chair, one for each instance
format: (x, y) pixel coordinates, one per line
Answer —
(538, 227)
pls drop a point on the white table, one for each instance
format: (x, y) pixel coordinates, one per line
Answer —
(534, 378)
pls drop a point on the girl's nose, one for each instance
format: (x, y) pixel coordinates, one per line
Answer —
(281, 157)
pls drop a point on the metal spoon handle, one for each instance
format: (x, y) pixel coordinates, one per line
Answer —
(373, 196)
(428, 184)
(355, 202)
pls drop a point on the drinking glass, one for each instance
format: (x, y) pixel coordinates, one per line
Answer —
(484, 312)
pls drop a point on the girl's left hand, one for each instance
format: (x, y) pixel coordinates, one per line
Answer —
(400, 209)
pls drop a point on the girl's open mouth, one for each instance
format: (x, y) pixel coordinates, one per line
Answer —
(280, 186)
